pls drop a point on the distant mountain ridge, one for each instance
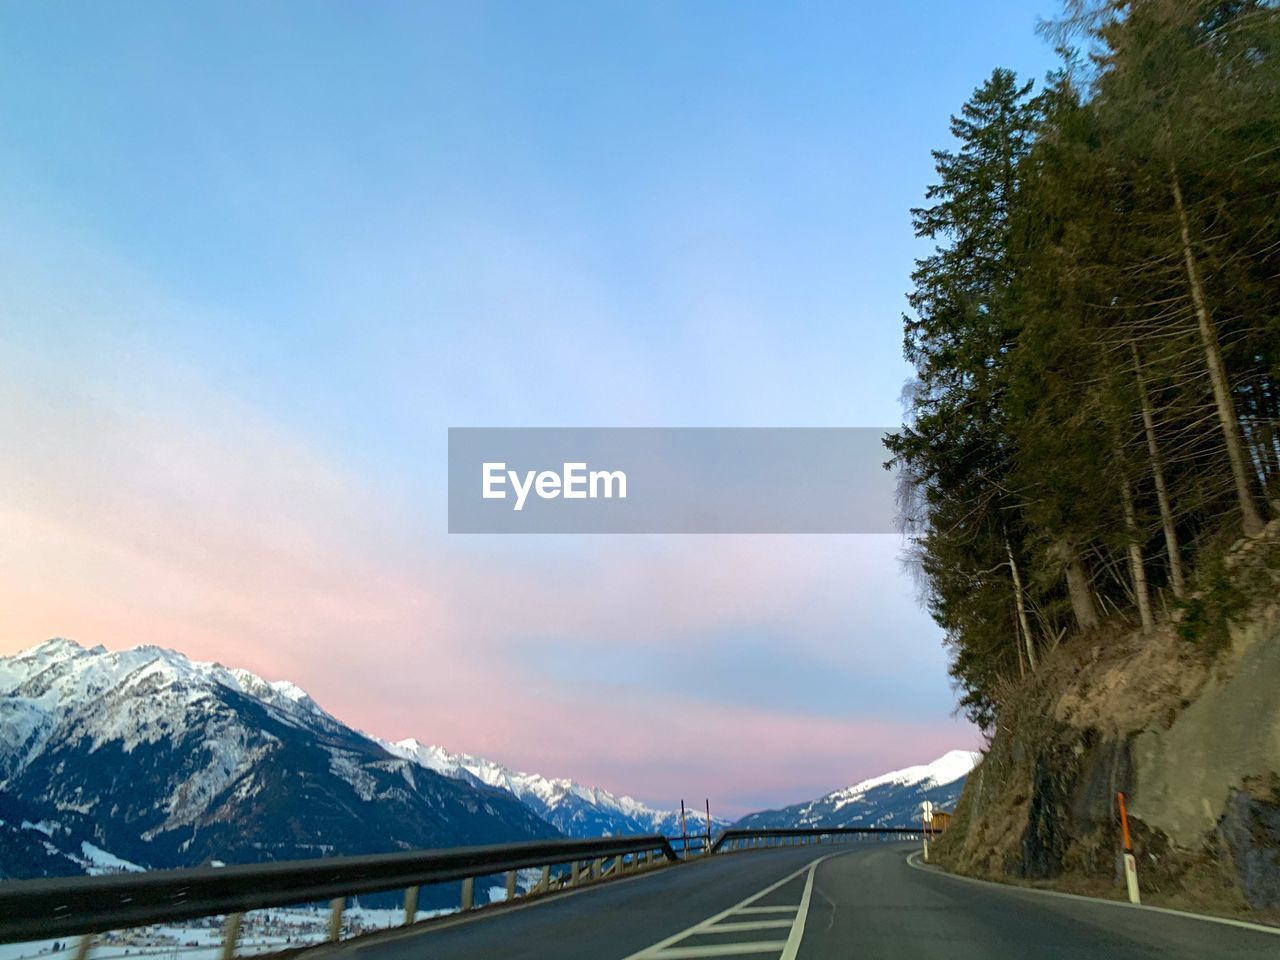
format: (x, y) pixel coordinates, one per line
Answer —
(574, 809)
(889, 800)
(146, 758)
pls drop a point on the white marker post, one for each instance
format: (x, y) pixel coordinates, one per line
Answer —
(926, 818)
(1130, 864)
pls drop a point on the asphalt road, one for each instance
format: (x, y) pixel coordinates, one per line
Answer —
(855, 902)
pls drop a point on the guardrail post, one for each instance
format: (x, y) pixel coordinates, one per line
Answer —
(152, 899)
(230, 935)
(410, 904)
(336, 906)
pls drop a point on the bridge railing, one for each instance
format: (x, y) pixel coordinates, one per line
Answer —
(85, 906)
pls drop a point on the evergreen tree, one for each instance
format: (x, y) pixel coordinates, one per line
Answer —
(1095, 337)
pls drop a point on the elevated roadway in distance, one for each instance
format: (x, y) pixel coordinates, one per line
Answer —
(860, 902)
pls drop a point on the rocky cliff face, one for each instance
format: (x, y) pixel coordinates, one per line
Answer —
(1185, 721)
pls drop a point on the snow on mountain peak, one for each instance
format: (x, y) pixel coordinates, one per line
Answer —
(147, 694)
(576, 809)
(891, 799)
(948, 768)
(162, 760)
(60, 681)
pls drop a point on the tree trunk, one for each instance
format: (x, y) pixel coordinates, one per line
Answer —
(1251, 520)
(1078, 588)
(1021, 606)
(1022, 660)
(1176, 581)
(1137, 569)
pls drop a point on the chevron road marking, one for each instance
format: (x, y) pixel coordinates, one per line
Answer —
(670, 948)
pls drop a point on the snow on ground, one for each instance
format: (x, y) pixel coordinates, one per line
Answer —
(100, 861)
(262, 931)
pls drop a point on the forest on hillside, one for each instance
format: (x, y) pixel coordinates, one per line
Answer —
(1095, 337)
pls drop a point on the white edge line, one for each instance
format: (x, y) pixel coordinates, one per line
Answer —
(797, 929)
(913, 860)
(654, 949)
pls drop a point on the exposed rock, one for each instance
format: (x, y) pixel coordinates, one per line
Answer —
(1251, 829)
(1190, 734)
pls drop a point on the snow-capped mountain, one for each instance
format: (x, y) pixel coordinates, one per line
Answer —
(144, 757)
(572, 808)
(890, 800)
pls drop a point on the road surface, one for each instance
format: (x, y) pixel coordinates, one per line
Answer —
(857, 901)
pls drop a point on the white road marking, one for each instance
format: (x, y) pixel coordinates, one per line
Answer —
(724, 926)
(913, 860)
(797, 931)
(720, 950)
(668, 949)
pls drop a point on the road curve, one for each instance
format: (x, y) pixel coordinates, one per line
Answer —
(862, 901)
(872, 905)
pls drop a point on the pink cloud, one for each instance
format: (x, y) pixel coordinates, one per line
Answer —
(125, 523)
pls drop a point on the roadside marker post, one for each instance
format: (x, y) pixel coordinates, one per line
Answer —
(684, 833)
(1130, 864)
(926, 818)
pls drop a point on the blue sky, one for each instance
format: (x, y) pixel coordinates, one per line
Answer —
(256, 258)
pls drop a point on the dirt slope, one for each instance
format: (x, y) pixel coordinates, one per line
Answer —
(1186, 721)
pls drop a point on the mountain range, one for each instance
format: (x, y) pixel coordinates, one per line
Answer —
(890, 800)
(144, 759)
(574, 809)
(148, 758)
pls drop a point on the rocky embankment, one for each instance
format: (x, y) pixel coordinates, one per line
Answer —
(1185, 720)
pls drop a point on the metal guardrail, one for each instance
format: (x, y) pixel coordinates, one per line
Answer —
(750, 839)
(70, 906)
(85, 906)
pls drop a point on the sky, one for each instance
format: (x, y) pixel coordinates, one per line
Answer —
(256, 259)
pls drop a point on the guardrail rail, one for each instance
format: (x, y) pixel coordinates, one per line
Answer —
(751, 839)
(87, 906)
